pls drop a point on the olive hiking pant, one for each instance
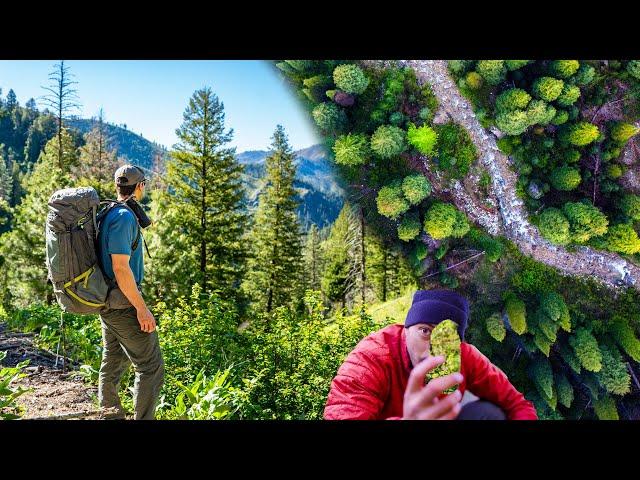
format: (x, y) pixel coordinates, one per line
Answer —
(124, 343)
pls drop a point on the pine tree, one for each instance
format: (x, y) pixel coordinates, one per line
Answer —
(275, 264)
(24, 247)
(97, 162)
(200, 221)
(62, 98)
(313, 259)
(337, 279)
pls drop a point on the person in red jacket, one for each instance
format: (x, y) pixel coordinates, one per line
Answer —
(384, 376)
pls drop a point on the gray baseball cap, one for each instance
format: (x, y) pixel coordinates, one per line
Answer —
(129, 175)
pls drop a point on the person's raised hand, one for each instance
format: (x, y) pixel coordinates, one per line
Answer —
(421, 401)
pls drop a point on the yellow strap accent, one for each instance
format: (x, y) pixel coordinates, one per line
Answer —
(82, 300)
(84, 275)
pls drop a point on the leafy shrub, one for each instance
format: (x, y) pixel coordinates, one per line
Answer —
(554, 226)
(565, 390)
(517, 313)
(622, 131)
(633, 67)
(540, 112)
(613, 171)
(555, 308)
(416, 188)
(584, 75)
(388, 141)
(547, 88)
(515, 64)
(542, 375)
(625, 337)
(9, 408)
(351, 149)
(456, 151)
(474, 80)
(329, 117)
(512, 123)
(613, 376)
(424, 138)
(495, 327)
(565, 178)
(605, 408)
(560, 117)
(409, 228)
(493, 71)
(581, 133)
(586, 349)
(512, 99)
(564, 68)
(630, 206)
(569, 95)
(443, 220)
(350, 78)
(623, 238)
(315, 87)
(390, 201)
(586, 221)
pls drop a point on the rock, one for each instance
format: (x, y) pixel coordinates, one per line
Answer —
(498, 134)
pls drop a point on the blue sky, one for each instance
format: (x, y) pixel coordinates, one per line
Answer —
(150, 96)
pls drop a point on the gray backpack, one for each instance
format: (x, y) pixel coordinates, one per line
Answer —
(72, 229)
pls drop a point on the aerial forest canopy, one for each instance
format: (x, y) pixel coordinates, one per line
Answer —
(516, 182)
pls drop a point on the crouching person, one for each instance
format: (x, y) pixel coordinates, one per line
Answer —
(384, 376)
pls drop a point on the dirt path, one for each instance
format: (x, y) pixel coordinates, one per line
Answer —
(511, 219)
(53, 394)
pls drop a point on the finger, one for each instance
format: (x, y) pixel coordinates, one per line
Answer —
(438, 385)
(444, 406)
(416, 377)
(453, 413)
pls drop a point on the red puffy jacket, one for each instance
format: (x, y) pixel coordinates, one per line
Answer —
(370, 384)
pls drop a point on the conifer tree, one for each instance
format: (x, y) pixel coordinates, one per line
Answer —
(97, 163)
(200, 220)
(275, 263)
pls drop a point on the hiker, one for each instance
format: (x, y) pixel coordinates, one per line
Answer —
(384, 376)
(129, 333)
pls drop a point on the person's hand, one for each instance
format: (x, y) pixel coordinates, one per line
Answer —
(421, 401)
(146, 320)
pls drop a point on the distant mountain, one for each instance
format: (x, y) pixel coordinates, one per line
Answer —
(321, 198)
(132, 146)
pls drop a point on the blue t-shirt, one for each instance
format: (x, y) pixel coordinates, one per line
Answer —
(117, 234)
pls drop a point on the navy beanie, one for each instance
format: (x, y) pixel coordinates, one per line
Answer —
(434, 306)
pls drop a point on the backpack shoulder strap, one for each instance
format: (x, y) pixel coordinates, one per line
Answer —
(111, 204)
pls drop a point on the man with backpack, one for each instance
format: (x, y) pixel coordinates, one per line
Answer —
(128, 333)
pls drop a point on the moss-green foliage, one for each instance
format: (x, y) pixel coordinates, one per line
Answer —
(474, 80)
(388, 141)
(315, 87)
(409, 228)
(516, 64)
(416, 188)
(565, 178)
(542, 375)
(622, 131)
(613, 376)
(350, 78)
(554, 226)
(517, 313)
(626, 338)
(581, 133)
(569, 95)
(512, 99)
(564, 68)
(493, 71)
(570, 358)
(613, 171)
(586, 221)
(351, 149)
(492, 247)
(456, 150)
(633, 67)
(423, 138)
(623, 238)
(547, 88)
(329, 117)
(585, 75)
(546, 325)
(554, 307)
(630, 206)
(512, 123)
(586, 349)
(560, 117)
(439, 220)
(495, 327)
(445, 341)
(605, 408)
(564, 389)
(540, 112)
(391, 203)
